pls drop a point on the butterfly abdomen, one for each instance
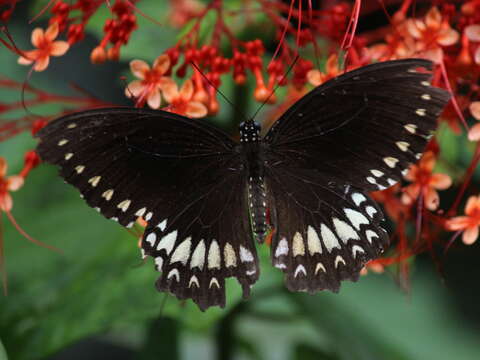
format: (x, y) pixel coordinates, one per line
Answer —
(257, 203)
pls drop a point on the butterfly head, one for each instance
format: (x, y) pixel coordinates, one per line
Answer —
(249, 131)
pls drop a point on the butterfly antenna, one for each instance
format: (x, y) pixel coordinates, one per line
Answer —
(276, 86)
(218, 91)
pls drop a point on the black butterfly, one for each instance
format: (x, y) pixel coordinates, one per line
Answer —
(205, 196)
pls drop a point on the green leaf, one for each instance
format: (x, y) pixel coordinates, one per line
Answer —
(3, 352)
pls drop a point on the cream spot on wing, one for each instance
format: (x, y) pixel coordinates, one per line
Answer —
(94, 180)
(62, 142)
(329, 239)
(229, 256)
(182, 252)
(426, 97)
(313, 241)
(390, 161)
(68, 156)
(377, 173)
(371, 180)
(71, 126)
(141, 212)
(198, 256)
(298, 247)
(214, 255)
(79, 169)
(402, 145)
(124, 205)
(421, 112)
(411, 128)
(108, 194)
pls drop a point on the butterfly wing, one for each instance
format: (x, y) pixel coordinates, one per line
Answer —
(172, 171)
(356, 133)
(325, 231)
(365, 126)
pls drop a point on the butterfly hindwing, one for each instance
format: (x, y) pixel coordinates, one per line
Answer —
(325, 231)
(206, 240)
(366, 127)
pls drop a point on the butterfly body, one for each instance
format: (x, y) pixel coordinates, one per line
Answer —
(205, 196)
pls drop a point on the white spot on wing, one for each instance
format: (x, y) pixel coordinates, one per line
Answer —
(148, 216)
(167, 242)
(68, 156)
(426, 97)
(339, 260)
(62, 142)
(371, 211)
(298, 247)
(214, 255)
(357, 249)
(282, 248)
(358, 198)
(162, 225)
(356, 218)
(320, 267)
(313, 241)
(345, 231)
(174, 273)
(245, 255)
(194, 281)
(421, 112)
(371, 180)
(329, 239)
(198, 256)
(370, 235)
(402, 145)
(159, 263)
(124, 205)
(300, 269)
(151, 238)
(182, 252)
(213, 282)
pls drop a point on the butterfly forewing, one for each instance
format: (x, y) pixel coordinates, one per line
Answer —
(364, 127)
(184, 177)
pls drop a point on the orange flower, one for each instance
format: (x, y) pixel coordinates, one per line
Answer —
(431, 34)
(425, 183)
(316, 77)
(151, 79)
(474, 132)
(46, 47)
(472, 32)
(11, 183)
(181, 102)
(469, 223)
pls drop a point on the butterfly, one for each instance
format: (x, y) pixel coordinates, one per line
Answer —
(207, 198)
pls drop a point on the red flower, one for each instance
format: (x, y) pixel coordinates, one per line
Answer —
(181, 102)
(46, 47)
(425, 183)
(474, 132)
(316, 77)
(151, 79)
(469, 223)
(7, 184)
(472, 32)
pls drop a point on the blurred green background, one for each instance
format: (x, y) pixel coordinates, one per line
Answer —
(97, 300)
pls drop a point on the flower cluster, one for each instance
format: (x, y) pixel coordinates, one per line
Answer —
(185, 77)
